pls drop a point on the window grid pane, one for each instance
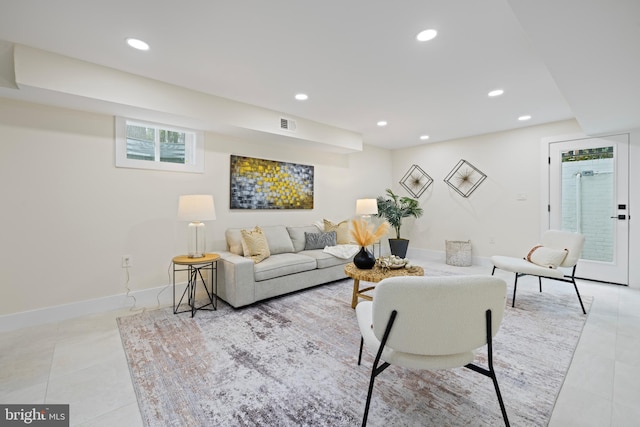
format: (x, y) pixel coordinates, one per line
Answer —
(140, 142)
(172, 146)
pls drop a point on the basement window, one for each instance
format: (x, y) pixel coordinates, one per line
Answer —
(146, 145)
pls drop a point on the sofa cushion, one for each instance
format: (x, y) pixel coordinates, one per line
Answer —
(254, 244)
(278, 239)
(297, 235)
(282, 265)
(319, 240)
(234, 241)
(323, 259)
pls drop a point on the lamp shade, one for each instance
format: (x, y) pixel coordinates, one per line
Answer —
(366, 207)
(196, 208)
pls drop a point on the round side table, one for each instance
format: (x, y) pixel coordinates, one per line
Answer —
(374, 275)
(194, 269)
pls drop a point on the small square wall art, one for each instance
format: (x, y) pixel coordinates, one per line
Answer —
(267, 184)
(416, 181)
(465, 178)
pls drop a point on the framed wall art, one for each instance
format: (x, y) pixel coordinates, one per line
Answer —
(268, 184)
(416, 181)
(465, 178)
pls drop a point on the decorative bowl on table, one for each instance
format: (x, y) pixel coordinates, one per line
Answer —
(391, 262)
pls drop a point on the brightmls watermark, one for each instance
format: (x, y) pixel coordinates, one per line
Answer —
(34, 415)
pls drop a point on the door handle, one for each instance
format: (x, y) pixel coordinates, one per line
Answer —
(619, 217)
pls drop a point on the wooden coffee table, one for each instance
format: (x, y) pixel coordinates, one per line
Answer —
(374, 275)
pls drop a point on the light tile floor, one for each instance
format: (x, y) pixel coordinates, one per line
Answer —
(81, 362)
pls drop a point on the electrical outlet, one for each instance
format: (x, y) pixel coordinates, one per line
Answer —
(127, 261)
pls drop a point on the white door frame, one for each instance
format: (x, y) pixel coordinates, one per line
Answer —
(545, 190)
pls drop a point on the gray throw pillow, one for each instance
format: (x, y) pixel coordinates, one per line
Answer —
(297, 235)
(319, 240)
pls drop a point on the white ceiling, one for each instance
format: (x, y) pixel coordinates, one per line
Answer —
(359, 61)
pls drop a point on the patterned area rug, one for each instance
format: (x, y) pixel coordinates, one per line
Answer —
(292, 361)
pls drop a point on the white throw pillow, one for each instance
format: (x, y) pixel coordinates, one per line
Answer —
(546, 257)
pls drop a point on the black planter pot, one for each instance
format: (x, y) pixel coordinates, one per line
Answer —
(399, 247)
(364, 259)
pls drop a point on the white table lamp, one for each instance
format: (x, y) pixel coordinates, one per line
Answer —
(366, 207)
(195, 209)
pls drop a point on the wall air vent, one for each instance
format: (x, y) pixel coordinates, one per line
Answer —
(287, 124)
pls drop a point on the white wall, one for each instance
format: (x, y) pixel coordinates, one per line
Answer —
(69, 214)
(493, 213)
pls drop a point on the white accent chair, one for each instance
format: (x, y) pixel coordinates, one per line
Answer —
(554, 239)
(432, 323)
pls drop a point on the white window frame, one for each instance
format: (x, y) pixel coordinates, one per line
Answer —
(194, 150)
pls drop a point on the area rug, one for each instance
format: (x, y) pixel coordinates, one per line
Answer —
(292, 361)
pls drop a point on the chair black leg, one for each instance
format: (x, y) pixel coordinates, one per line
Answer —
(500, 401)
(491, 373)
(495, 385)
(376, 370)
(366, 407)
(578, 293)
(360, 354)
(494, 270)
(540, 282)
(515, 286)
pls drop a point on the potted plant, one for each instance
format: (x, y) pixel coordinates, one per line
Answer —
(394, 209)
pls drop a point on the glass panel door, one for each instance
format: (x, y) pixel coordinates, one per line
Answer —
(588, 194)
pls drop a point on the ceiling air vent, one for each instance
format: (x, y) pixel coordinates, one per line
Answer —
(287, 124)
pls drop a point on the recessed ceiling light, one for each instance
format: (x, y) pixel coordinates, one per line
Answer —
(302, 96)
(426, 35)
(382, 123)
(496, 92)
(424, 137)
(137, 44)
(523, 118)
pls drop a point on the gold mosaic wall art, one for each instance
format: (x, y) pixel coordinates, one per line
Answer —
(268, 184)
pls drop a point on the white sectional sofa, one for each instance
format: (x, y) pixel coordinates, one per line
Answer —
(289, 267)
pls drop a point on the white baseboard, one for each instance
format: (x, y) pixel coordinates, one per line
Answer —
(147, 298)
(441, 257)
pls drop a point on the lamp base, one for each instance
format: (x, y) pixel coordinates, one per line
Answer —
(196, 240)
